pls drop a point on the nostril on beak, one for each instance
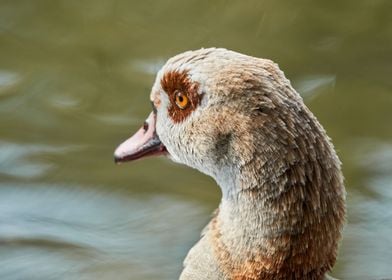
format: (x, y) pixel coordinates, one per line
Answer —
(145, 126)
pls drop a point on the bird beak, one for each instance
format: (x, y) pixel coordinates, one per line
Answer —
(145, 142)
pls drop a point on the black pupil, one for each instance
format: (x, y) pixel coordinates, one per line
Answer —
(180, 98)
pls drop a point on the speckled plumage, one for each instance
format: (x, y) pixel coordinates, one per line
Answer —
(283, 199)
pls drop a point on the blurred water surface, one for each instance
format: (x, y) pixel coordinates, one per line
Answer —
(74, 81)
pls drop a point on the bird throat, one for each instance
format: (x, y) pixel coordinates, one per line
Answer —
(273, 232)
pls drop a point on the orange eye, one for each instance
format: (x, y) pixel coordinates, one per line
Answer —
(182, 100)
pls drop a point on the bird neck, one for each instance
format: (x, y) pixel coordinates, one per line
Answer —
(277, 227)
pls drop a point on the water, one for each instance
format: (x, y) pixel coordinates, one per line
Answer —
(74, 82)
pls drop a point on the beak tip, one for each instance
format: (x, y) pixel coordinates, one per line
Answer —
(117, 159)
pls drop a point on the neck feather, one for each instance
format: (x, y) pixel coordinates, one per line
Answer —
(281, 220)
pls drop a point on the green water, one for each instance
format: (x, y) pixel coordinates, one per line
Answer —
(74, 82)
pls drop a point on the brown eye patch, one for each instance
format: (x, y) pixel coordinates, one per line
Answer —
(177, 84)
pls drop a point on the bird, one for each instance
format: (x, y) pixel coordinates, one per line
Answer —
(238, 119)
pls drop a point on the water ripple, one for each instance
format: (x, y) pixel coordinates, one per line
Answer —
(43, 226)
(8, 79)
(15, 159)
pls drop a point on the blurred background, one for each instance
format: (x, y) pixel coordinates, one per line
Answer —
(75, 78)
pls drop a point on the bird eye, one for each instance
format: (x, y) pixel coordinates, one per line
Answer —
(181, 100)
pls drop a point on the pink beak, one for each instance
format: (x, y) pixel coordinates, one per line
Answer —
(145, 142)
